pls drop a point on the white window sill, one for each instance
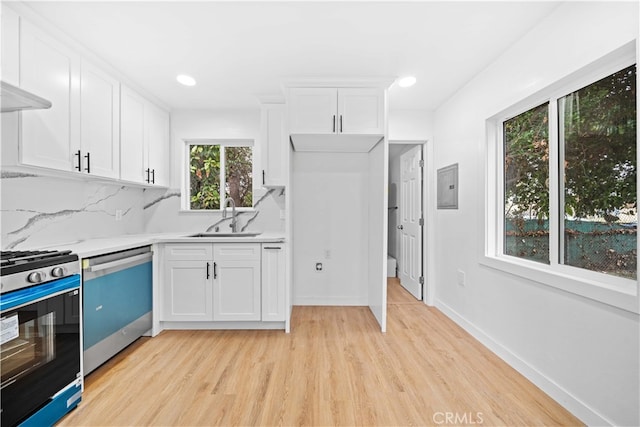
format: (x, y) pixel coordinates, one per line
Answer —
(624, 297)
(215, 211)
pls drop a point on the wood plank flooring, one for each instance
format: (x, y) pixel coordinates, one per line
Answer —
(335, 369)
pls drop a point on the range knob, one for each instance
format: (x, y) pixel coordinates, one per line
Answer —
(35, 277)
(57, 272)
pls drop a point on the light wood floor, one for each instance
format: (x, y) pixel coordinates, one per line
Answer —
(335, 368)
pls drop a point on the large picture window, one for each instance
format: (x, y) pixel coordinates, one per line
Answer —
(569, 180)
(217, 172)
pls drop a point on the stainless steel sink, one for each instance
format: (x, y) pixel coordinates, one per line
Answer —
(238, 234)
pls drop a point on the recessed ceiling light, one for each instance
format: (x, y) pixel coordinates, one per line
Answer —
(406, 81)
(186, 80)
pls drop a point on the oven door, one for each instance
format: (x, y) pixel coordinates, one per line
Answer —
(39, 347)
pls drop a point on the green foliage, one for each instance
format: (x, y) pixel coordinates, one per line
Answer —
(600, 146)
(600, 152)
(204, 166)
(238, 175)
(204, 176)
(526, 163)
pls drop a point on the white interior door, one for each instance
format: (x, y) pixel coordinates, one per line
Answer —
(410, 227)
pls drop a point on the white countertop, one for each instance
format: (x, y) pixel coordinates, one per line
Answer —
(99, 246)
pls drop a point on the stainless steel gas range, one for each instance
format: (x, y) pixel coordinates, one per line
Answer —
(40, 336)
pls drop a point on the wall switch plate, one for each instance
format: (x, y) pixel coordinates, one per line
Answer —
(327, 254)
(461, 278)
(282, 214)
(118, 214)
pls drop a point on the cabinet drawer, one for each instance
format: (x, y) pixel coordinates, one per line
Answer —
(188, 252)
(236, 251)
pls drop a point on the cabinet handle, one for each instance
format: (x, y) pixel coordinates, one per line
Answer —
(263, 177)
(215, 270)
(79, 167)
(148, 171)
(208, 275)
(153, 176)
(334, 123)
(340, 123)
(88, 157)
(272, 247)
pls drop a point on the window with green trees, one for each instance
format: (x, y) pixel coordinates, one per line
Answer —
(218, 172)
(594, 151)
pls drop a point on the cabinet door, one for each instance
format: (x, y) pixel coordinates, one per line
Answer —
(273, 283)
(157, 141)
(361, 111)
(10, 36)
(274, 146)
(49, 69)
(313, 110)
(99, 122)
(132, 136)
(236, 283)
(187, 291)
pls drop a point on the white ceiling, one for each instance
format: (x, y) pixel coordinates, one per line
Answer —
(237, 50)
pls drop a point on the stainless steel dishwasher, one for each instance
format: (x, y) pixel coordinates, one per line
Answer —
(116, 291)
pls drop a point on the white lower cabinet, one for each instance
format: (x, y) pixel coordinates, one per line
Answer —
(223, 282)
(187, 282)
(236, 281)
(273, 282)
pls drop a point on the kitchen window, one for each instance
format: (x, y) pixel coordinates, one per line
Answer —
(218, 171)
(563, 169)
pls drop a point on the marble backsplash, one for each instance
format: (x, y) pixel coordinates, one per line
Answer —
(38, 211)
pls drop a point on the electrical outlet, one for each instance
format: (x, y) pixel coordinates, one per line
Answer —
(282, 215)
(461, 278)
(319, 267)
(118, 214)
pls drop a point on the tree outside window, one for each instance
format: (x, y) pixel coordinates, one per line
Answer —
(597, 196)
(218, 172)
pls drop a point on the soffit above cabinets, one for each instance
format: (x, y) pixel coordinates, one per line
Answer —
(335, 143)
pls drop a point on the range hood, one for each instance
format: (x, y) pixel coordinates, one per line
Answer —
(13, 98)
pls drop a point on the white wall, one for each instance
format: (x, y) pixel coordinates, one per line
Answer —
(330, 213)
(164, 211)
(581, 352)
(410, 125)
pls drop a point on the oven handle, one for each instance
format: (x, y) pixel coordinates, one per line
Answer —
(137, 259)
(36, 293)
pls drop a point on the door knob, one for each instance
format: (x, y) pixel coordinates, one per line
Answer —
(400, 227)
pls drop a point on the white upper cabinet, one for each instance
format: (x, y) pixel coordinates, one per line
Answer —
(313, 110)
(157, 143)
(326, 111)
(360, 111)
(144, 140)
(275, 146)
(99, 122)
(94, 127)
(132, 136)
(51, 137)
(10, 38)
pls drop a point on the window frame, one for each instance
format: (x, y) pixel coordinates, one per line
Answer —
(612, 290)
(186, 175)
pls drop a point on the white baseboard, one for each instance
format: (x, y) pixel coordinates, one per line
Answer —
(574, 405)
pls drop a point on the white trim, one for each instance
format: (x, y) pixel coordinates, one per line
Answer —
(570, 402)
(612, 290)
(336, 300)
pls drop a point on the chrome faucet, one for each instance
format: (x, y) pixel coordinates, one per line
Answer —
(234, 215)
